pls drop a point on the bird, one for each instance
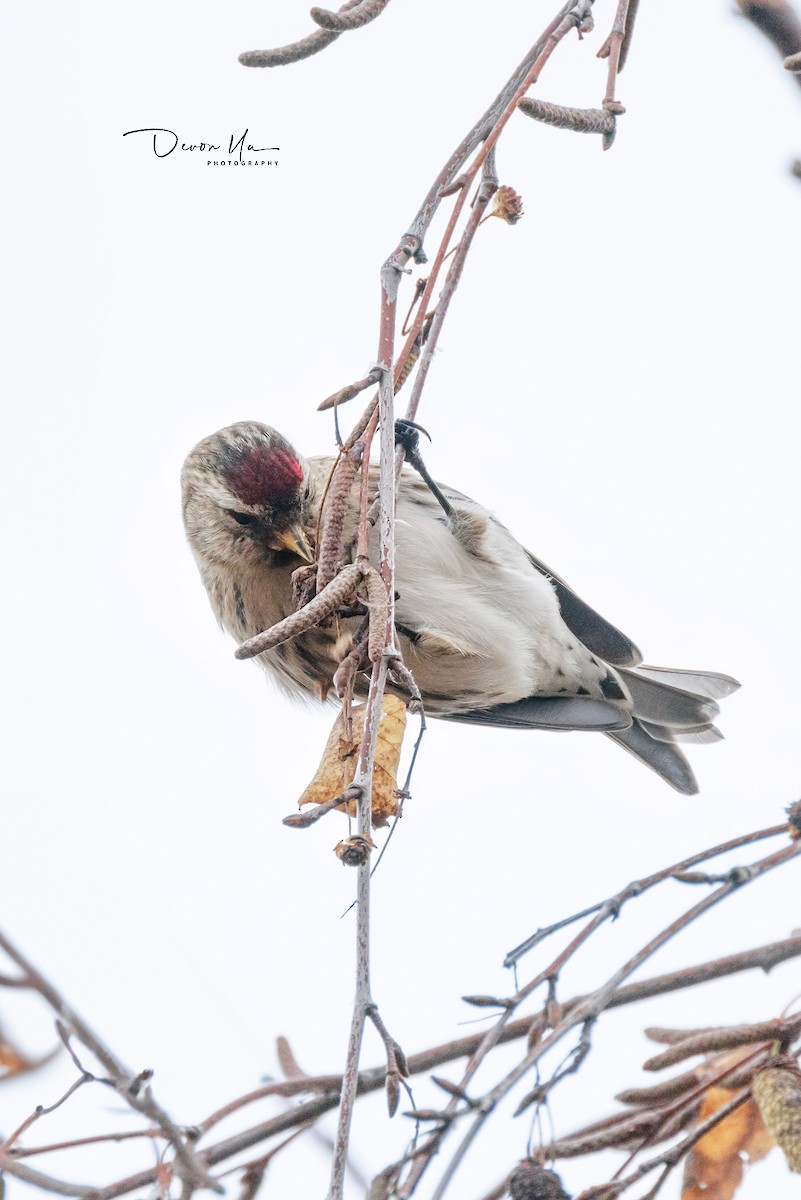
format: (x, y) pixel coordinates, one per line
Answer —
(491, 635)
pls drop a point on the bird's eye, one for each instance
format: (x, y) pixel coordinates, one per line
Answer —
(241, 518)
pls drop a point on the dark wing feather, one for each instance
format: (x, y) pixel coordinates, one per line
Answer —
(548, 712)
(597, 634)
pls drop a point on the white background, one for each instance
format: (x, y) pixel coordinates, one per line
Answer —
(618, 380)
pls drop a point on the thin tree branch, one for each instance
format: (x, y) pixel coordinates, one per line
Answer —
(125, 1082)
(587, 1009)
(371, 1080)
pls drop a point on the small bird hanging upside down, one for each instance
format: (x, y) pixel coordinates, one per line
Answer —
(490, 634)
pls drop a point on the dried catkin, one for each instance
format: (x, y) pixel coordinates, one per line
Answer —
(777, 1091)
(531, 1181)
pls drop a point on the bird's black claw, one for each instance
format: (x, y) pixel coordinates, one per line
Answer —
(407, 434)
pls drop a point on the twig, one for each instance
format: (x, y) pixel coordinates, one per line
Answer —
(397, 1067)
(486, 130)
(590, 1007)
(124, 1081)
(612, 49)
(253, 1172)
(781, 1030)
(350, 391)
(373, 1079)
(669, 1158)
(664, 1118)
(47, 1183)
(611, 907)
(303, 820)
(14, 981)
(41, 1111)
(363, 998)
(363, 1002)
(19, 1152)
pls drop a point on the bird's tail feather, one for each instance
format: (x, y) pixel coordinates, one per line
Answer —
(663, 703)
(671, 706)
(700, 735)
(711, 684)
(663, 757)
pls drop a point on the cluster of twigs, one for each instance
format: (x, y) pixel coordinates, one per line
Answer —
(668, 1111)
(457, 179)
(345, 574)
(342, 576)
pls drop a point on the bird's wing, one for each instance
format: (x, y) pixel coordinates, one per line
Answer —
(597, 634)
(548, 712)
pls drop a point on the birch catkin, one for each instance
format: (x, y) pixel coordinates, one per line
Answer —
(777, 1091)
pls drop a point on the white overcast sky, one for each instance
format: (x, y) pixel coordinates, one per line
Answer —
(617, 379)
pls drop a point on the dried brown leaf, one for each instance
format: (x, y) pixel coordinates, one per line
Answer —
(794, 819)
(354, 851)
(508, 205)
(338, 764)
(714, 1167)
(14, 1062)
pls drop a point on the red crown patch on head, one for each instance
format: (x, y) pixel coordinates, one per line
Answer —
(264, 474)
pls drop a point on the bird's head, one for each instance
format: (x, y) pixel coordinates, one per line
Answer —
(244, 490)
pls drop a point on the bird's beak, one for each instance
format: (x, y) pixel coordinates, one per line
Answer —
(293, 539)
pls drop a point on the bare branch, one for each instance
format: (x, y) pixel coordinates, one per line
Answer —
(783, 1031)
(123, 1080)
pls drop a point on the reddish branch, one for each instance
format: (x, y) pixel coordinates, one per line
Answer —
(578, 1015)
(325, 1089)
(471, 161)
